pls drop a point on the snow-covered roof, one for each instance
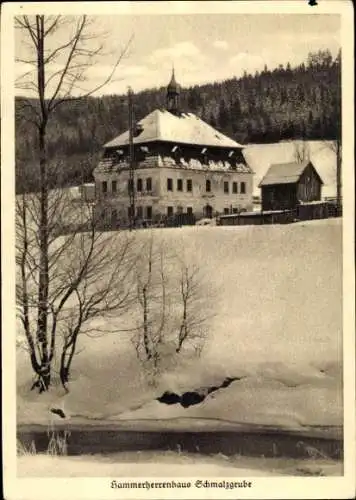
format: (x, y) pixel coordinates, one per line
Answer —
(283, 173)
(186, 128)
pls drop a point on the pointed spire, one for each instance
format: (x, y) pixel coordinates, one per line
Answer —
(173, 85)
(173, 89)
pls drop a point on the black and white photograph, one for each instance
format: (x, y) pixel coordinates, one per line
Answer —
(178, 250)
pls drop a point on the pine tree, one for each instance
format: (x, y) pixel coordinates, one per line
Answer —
(224, 117)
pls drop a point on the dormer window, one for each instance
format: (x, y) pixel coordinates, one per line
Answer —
(137, 130)
(204, 153)
(118, 155)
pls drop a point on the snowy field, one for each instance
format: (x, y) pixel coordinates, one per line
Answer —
(276, 326)
(171, 465)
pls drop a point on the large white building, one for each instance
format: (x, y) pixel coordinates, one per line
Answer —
(181, 165)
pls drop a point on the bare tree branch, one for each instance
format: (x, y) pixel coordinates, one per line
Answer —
(57, 289)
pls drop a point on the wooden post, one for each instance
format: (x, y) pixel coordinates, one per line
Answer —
(131, 164)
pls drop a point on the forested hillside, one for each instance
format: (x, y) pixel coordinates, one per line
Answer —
(276, 104)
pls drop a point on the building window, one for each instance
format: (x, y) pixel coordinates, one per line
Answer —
(139, 212)
(234, 187)
(139, 185)
(208, 186)
(189, 185)
(114, 186)
(104, 187)
(169, 184)
(149, 184)
(243, 187)
(235, 211)
(226, 211)
(189, 210)
(129, 212)
(130, 185)
(179, 210)
(226, 187)
(148, 212)
(169, 211)
(180, 185)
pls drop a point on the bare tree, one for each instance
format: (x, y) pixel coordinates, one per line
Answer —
(173, 307)
(151, 295)
(57, 73)
(336, 147)
(301, 151)
(88, 277)
(195, 307)
(336, 144)
(99, 275)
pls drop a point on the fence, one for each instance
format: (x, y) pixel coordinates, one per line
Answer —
(310, 211)
(323, 210)
(177, 220)
(304, 212)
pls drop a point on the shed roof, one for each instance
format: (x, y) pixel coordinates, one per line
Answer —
(284, 173)
(186, 128)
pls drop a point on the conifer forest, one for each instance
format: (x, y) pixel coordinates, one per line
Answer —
(283, 103)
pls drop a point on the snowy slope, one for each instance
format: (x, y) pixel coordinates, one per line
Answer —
(277, 326)
(261, 156)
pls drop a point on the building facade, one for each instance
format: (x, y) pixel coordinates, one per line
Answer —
(181, 165)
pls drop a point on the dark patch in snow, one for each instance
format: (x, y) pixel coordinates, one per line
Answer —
(169, 398)
(58, 411)
(194, 397)
(191, 398)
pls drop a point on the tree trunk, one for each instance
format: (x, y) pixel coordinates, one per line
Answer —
(145, 324)
(44, 373)
(67, 357)
(183, 332)
(43, 286)
(43, 378)
(64, 376)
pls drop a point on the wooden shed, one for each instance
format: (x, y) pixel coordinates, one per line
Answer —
(285, 185)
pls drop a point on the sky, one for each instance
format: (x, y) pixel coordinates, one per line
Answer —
(202, 47)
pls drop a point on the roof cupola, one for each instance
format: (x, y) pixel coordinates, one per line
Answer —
(173, 91)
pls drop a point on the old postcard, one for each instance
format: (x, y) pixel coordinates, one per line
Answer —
(178, 250)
